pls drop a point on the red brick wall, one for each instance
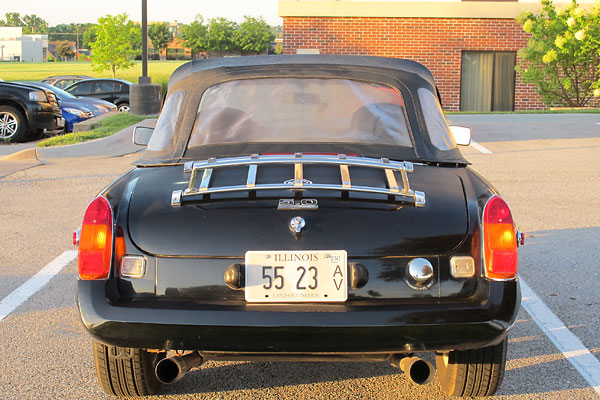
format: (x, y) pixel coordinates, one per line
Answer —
(435, 42)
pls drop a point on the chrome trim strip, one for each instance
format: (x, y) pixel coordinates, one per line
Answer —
(345, 173)
(283, 186)
(251, 181)
(205, 180)
(310, 159)
(298, 175)
(391, 180)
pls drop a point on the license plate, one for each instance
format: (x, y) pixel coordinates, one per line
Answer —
(296, 276)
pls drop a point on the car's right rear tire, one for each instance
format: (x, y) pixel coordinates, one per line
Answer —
(123, 107)
(472, 373)
(13, 124)
(126, 372)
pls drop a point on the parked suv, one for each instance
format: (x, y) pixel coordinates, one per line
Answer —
(26, 112)
(115, 91)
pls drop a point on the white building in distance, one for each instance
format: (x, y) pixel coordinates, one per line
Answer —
(14, 46)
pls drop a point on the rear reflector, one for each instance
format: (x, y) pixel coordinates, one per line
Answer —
(499, 242)
(133, 267)
(95, 241)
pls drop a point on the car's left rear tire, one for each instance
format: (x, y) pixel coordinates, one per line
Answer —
(472, 373)
(126, 372)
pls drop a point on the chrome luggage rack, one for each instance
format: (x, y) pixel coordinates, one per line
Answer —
(298, 183)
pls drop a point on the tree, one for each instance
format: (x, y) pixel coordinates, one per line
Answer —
(194, 35)
(30, 23)
(220, 35)
(34, 24)
(64, 50)
(254, 35)
(62, 32)
(112, 48)
(562, 57)
(135, 35)
(89, 36)
(13, 19)
(160, 36)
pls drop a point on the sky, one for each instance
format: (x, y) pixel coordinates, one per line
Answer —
(66, 11)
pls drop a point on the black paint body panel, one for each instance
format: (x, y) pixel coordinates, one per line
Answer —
(385, 328)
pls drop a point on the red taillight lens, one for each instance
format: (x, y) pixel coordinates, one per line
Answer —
(499, 240)
(95, 241)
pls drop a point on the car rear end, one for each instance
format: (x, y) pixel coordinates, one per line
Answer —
(302, 251)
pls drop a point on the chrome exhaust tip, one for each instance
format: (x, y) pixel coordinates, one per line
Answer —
(418, 370)
(170, 370)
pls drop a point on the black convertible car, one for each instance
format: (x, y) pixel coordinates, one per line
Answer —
(302, 208)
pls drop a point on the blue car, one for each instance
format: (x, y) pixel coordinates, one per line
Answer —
(76, 109)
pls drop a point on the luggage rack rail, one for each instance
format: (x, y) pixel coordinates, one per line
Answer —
(298, 183)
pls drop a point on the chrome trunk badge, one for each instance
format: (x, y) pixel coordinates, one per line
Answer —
(304, 204)
(296, 224)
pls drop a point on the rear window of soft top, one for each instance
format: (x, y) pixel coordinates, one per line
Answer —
(301, 110)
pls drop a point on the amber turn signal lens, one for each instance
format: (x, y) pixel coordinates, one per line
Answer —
(500, 242)
(95, 241)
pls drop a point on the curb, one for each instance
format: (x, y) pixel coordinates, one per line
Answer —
(23, 155)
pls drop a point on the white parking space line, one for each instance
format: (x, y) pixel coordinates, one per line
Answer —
(480, 147)
(35, 283)
(567, 343)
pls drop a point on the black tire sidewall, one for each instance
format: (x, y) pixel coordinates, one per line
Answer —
(23, 126)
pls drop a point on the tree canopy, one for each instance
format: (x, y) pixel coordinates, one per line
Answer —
(160, 36)
(562, 57)
(31, 24)
(64, 50)
(194, 35)
(220, 35)
(112, 48)
(254, 35)
(89, 36)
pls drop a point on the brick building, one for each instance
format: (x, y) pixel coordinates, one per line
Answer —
(469, 46)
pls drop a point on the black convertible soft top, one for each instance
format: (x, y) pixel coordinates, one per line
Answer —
(400, 64)
(195, 77)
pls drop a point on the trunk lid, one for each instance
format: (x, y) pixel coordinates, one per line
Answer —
(365, 225)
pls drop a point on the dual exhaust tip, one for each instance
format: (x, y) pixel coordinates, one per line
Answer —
(171, 369)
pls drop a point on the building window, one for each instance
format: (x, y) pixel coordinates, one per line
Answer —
(487, 81)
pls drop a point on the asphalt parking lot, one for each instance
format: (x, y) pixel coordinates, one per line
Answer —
(546, 166)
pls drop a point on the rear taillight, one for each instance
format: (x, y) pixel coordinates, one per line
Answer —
(499, 240)
(95, 241)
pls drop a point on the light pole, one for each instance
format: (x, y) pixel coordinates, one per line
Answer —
(145, 97)
(144, 78)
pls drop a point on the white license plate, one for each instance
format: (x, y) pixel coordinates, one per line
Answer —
(296, 276)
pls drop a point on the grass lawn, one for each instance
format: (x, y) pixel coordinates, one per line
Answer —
(106, 127)
(159, 71)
